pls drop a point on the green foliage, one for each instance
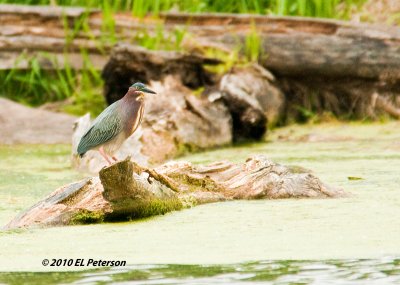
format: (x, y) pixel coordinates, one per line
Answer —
(35, 85)
(229, 58)
(160, 39)
(140, 8)
(252, 46)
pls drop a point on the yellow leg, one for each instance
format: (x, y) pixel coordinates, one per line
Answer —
(103, 154)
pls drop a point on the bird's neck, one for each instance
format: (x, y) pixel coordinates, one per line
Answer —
(131, 110)
(133, 95)
(131, 102)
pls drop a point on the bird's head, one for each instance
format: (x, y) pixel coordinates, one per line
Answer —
(140, 88)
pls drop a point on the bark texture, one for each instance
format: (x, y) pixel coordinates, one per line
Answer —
(126, 190)
(252, 99)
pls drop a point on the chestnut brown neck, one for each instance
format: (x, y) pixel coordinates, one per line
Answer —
(133, 95)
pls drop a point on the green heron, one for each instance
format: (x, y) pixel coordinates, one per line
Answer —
(115, 124)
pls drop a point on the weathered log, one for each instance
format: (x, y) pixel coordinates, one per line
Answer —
(126, 190)
(297, 46)
(47, 33)
(349, 98)
(289, 43)
(252, 99)
(129, 63)
(175, 122)
(21, 124)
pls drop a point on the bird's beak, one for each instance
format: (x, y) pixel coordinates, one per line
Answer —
(146, 90)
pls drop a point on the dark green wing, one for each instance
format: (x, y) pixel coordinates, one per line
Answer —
(106, 127)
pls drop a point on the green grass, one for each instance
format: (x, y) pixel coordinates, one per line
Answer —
(160, 39)
(83, 88)
(312, 8)
(252, 45)
(35, 86)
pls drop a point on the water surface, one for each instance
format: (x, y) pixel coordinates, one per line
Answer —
(364, 227)
(379, 271)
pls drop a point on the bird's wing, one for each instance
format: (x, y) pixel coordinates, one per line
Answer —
(106, 126)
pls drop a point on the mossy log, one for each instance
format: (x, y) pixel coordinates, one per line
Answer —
(127, 191)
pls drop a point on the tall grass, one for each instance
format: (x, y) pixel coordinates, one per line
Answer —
(311, 8)
(252, 45)
(35, 86)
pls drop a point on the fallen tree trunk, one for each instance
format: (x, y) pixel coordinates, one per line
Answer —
(21, 124)
(298, 46)
(348, 69)
(126, 190)
(292, 45)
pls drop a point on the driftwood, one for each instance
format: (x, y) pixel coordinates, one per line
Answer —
(126, 190)
(21, 124)
(251, 95)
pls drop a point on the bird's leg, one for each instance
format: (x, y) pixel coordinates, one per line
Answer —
(103, 154)
(114, 158)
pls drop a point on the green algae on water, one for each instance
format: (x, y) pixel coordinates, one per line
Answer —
(364, 225)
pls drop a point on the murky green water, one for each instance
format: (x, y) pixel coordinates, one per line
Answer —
(381, 271)
(350, 230)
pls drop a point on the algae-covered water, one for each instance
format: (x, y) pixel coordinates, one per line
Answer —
(340, 238)
(381, 271)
